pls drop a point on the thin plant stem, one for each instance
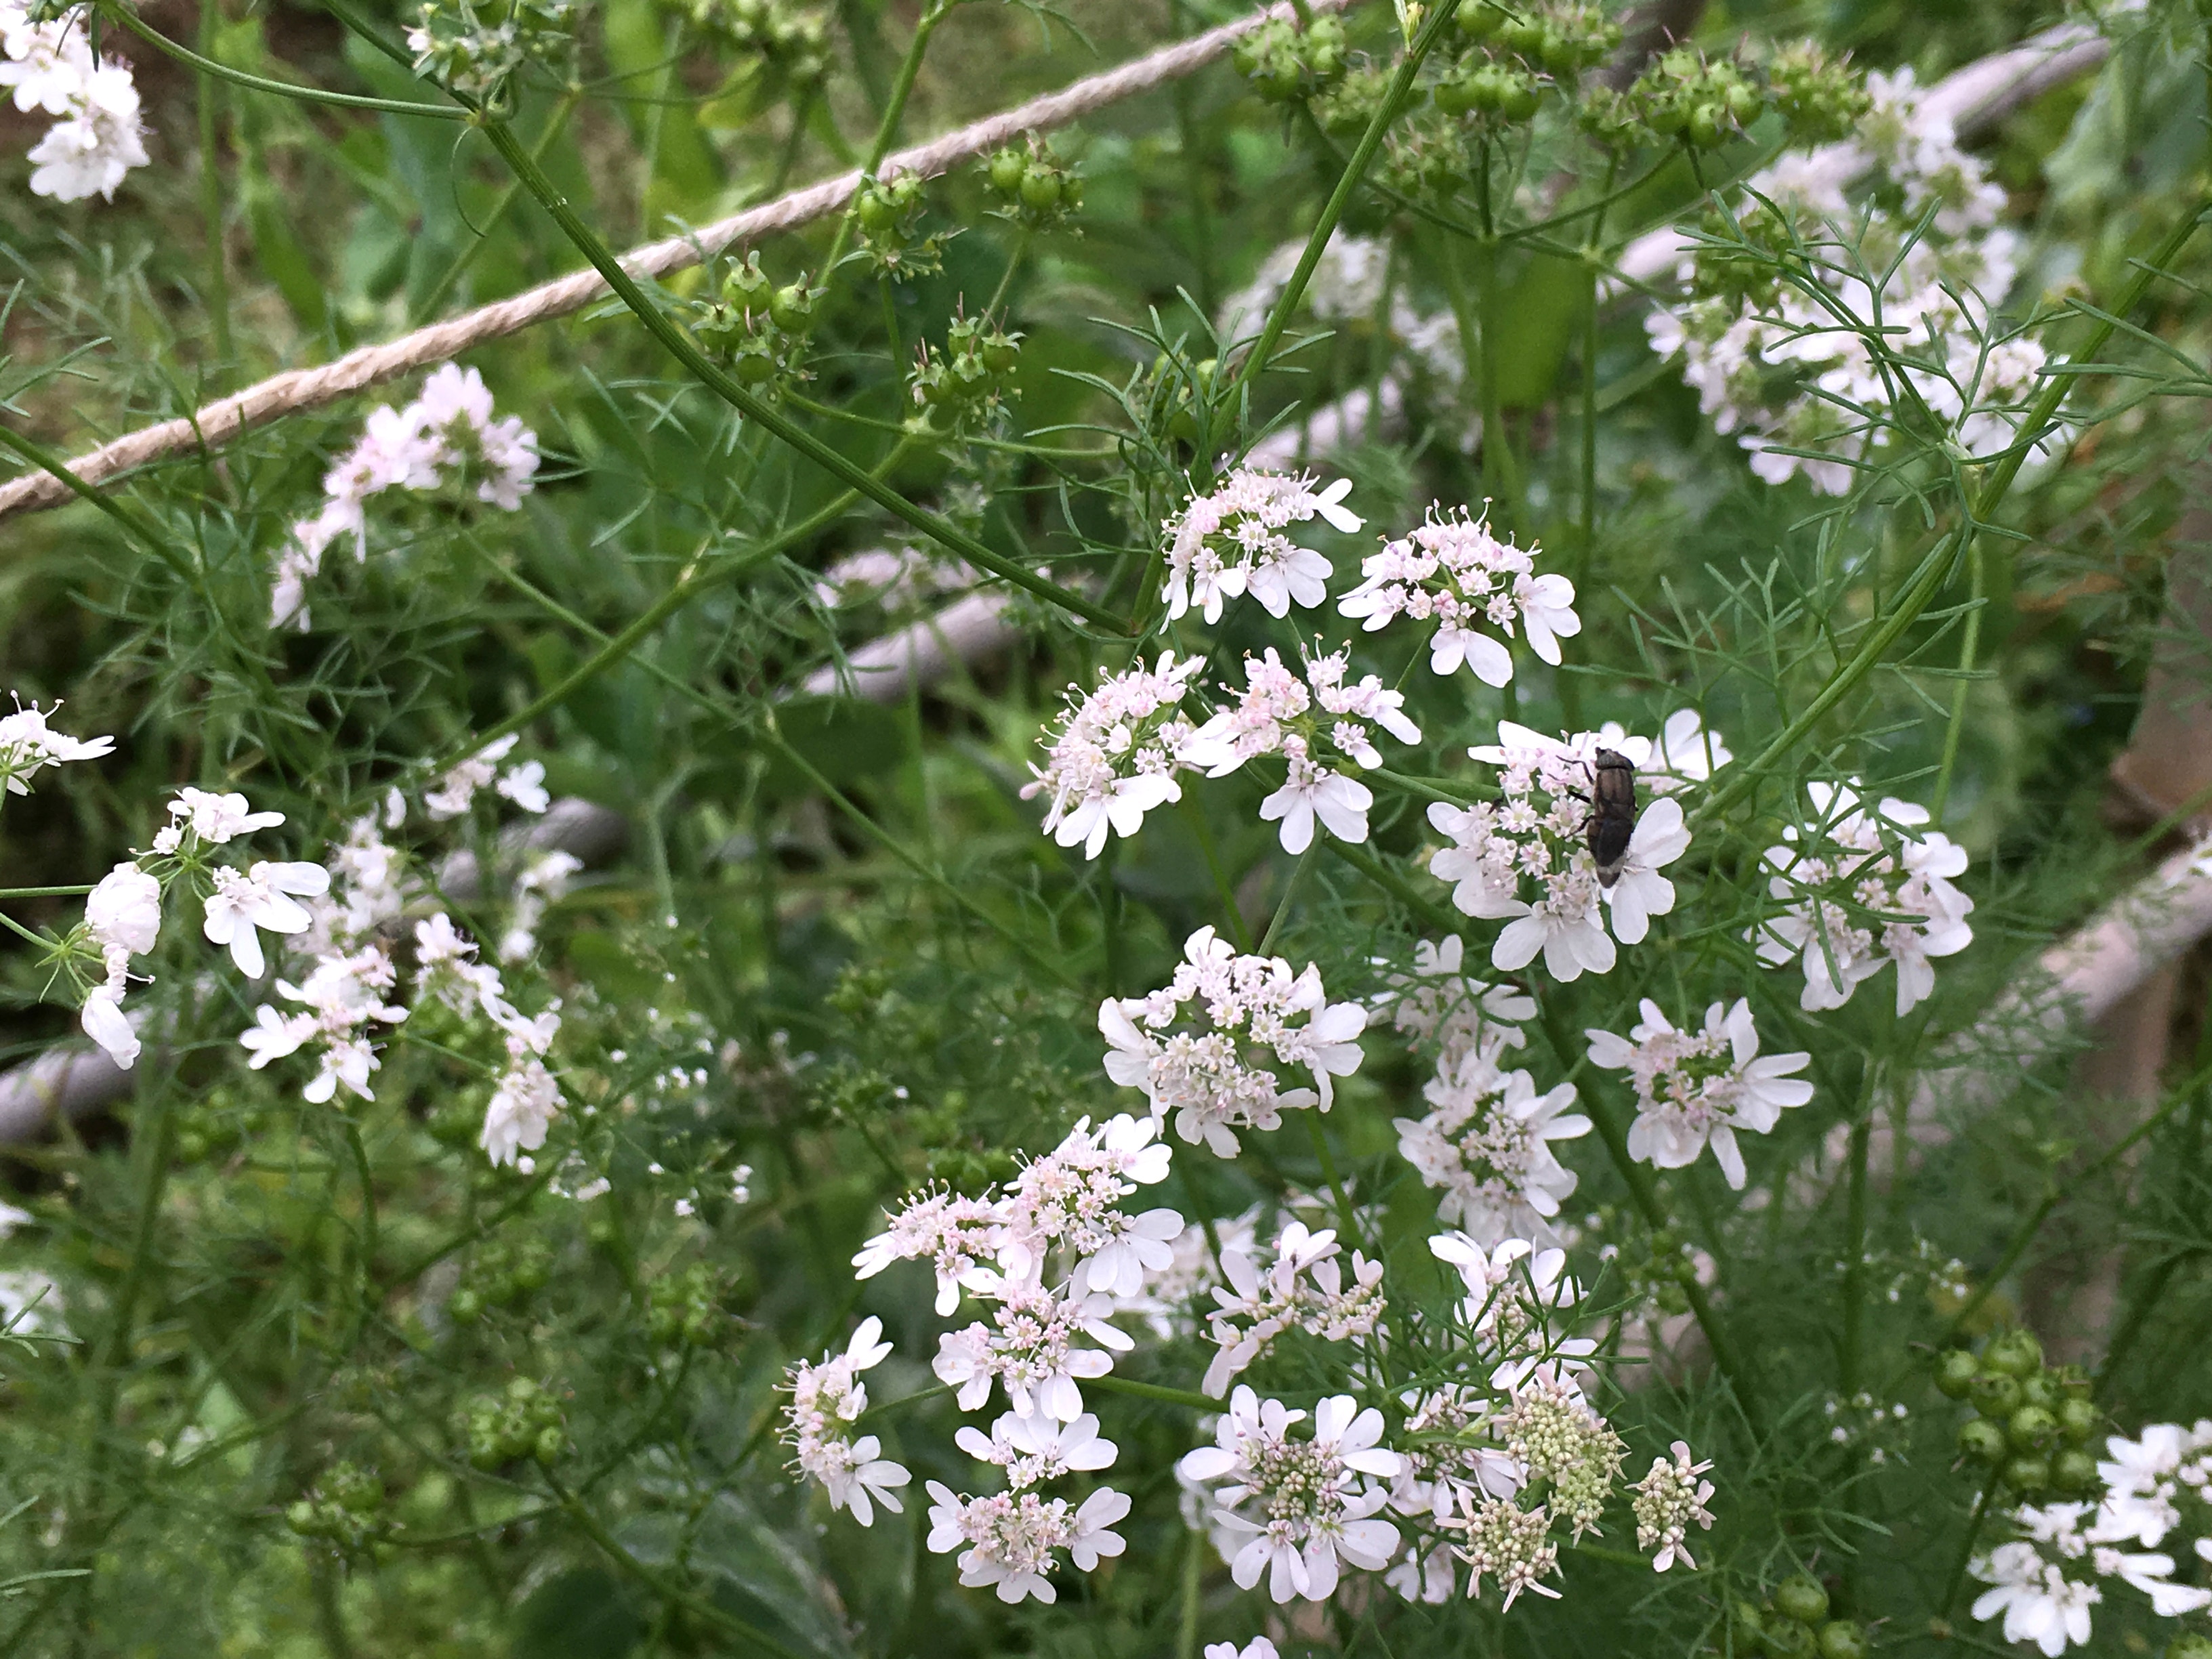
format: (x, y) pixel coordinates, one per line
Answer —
(1969, 645)
(160, 42)
(1289, 893)
(457, 267)
(211, 199)
(887, 128)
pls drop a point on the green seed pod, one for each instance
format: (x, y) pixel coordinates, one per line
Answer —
(2078, 1419)
(1981, 1440)
(1522, 94)
(1455, 96)
(2073, 1472)
(2030, 1428)
(2190, 1644)
(1801, 1597)
(747, 286)
(791, 310)
(2027, 1475)
(300, 1515)
(1743, 103)
(1956, 1371)
(1007, 165)
(1523, 33)
(1001, 352)
(1477, 19)
(873, 208)
(549, 1445)
(1787, 1638)
(1844, 1638)
(2041, 1389)
(1997, 1395)
(1707, 126)
(2013, 1353)
(1040, 188)
(464, 1307)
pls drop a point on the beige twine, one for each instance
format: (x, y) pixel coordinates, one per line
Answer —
(309, 388)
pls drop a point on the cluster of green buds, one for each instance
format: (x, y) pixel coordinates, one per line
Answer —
(345, 1509)
(1288, 65)
(1561, 40)
(792, 42)
(498, 1428)
(1347, 108)
(1426, 157)
(685, 1311)
(1793, 1624)
(1035, 189)
(1705, 104)
(499, 1275)
(1504, 95)
(471, 46)
(754, 327)
(2035, 1421)
(1822, 98)
(1656, 1263)
(966, 379)
(888, 213)
(210, 1125)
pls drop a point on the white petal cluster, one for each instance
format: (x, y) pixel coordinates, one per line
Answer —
(896, 579)
(1473, 586)
(265, 899)
(1305, 1503)
(1232, 541)
(1116, 754)
(1669, 1499)
(1695, 1087)
(1901, 329)
(1347, 290)
(1862, 889)
(122, 918)
(2045, 1581)
(528, 1097)
(1012, 1540)
(28, 742)
(342, 995)
(1318, 721)
(523, 783)
(448, 434)
(1033, 1347)
(1524, 859)
(1060, 1218)
(1300, 1286)
(97, 135)
(826, 1402)
(1485, 1143)
(1206, 1047)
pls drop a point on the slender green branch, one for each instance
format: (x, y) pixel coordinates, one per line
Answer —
(749, 403)
(555, 124)
(1401, 86)
(894, 111)
(184, 54)
(1112, 1384)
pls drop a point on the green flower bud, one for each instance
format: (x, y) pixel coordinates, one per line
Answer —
(2073, 1472)
(2078, 1419)
(1996, 1394)
(2030, 1428)
(1801, 1597)
(1844, 1638)
(1007, 167)
(1477, 19)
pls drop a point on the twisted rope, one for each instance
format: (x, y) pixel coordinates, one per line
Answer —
(309, 388)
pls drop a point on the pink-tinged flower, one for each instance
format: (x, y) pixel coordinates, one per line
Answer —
(1486, 1145)
(1696, 1087)
(1116, 754)
(1231, 541)
(1455, 572)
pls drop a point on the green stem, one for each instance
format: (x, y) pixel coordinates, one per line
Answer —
(160, 42)
(367, 1228)
(1290, 893)
(1401, 86)
(887, 129)
(1346, 1217)
(211, 202)
(1966, 1548)
(1136, 1390)
(43, 892)
(1855, 1229)
(1967, 647)
(763, 415)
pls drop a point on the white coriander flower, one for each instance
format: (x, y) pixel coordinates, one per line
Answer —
(522, 1107)
(215, 819)
(1861, 890)
(1317, 721)
(1072, 1196)
(1258, 1648)
(1034, 1449)
(826, 1400)
(959, 1236)
(1669, 1499)
(1697, 1086)
(1204, 1047)
(1030, 1348)
(2039, 1603)
(1455, 572)
(1231, 541)
(265, 899)
(1436, 1005)
(28, 744)
(1303, 1503)
(1301, 1285)
(1487, 1144)
(1012, 1538)
(1116, 756)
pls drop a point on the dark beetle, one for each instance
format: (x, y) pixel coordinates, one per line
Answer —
(1613, 813)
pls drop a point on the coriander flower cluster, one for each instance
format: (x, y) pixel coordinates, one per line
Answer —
(1116, 754)
(1894, 328)
(1860, 890)
(97, 135)
(1301, 1286)
(28, 744)
(1318, 722)
(447, 434)
(1206, 1047)
(1670, 1498)
(2045, 1581)
(1485, 1143)
(898, 579)
(1233, 540)
(826, 1402)
(1454, 572)
(1524, 858)
(523, 783)
(1696, 1087)
(1437, 1005)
